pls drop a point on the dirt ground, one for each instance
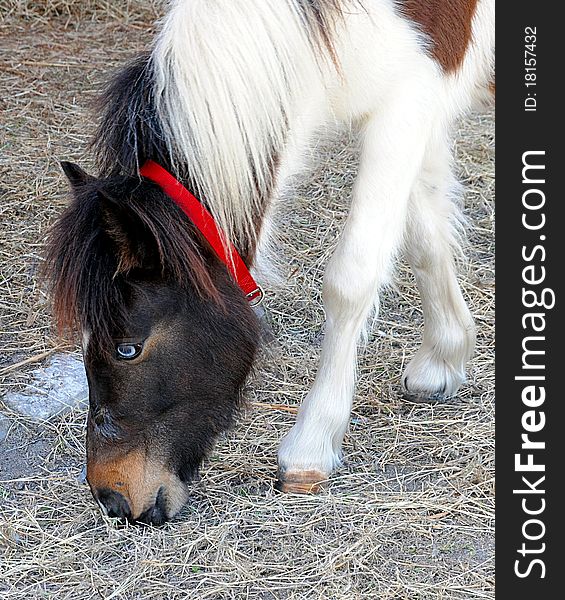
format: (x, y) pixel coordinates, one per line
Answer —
(410, 514)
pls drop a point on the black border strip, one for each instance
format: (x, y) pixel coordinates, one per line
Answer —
(520, 131)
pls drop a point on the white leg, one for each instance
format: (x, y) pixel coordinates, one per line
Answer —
(438, 368)
(393, 148)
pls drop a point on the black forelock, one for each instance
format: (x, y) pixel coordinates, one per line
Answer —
(91, 269)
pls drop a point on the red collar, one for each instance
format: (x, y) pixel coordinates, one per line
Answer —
(206, 224)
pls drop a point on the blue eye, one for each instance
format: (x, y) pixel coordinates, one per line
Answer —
(128, 351)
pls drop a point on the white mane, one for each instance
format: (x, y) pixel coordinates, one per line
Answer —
(226, 74)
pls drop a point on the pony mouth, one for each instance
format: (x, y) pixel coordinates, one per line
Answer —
(114, 505)
(169, 501)
(137, 489)
(156, 514)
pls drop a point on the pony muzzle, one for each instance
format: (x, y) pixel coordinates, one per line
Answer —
(136, 488)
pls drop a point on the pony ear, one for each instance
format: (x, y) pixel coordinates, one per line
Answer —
(76, 176)
(135, 247)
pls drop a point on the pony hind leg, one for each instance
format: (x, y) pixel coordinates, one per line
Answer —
(392, 152)
(438, 368)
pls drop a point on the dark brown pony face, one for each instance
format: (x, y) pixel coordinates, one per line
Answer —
(167, 361)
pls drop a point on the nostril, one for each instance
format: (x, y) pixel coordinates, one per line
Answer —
(157, 514)
(114, 504)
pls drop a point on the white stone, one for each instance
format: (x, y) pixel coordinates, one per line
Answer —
(4, 427)
(55, 388)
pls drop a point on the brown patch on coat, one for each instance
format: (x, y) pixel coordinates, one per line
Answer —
(492, 88)
(448, 23)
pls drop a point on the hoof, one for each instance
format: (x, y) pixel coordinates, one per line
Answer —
(300, 482)
(424, 397)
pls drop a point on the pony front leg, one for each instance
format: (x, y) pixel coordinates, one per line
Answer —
(438, 368)
(393, 147)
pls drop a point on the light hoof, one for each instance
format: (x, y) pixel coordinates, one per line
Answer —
(300, 482)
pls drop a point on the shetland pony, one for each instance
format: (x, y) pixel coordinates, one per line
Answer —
(225, 103)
